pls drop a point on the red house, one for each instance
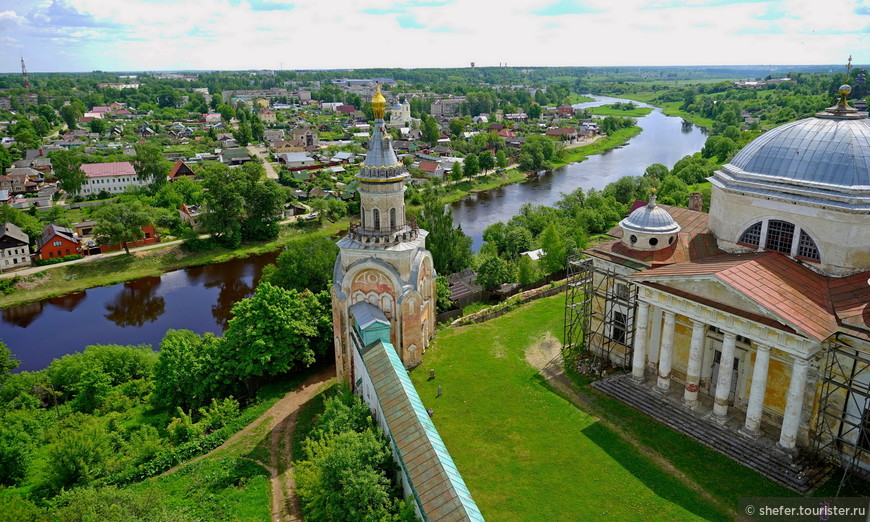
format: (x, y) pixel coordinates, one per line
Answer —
(151, 237)
(57, 241)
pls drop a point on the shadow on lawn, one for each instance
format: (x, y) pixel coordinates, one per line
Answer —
(648, 472)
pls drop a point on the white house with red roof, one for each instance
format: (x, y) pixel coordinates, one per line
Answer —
(114, 177)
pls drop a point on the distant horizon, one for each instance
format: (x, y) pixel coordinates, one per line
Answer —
(833, 66)
(241, 35)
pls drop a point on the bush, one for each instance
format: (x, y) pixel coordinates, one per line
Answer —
(182, 429)
(56, 260)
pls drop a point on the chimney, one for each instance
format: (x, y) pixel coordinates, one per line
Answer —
(696, 201)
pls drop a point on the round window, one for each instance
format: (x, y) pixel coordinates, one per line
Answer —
(671, 240)
(633, 239)
(653, 241)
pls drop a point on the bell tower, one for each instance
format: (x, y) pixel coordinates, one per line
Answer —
(383, 258)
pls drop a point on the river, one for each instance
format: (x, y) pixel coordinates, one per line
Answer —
(664, 140)
(200, 298)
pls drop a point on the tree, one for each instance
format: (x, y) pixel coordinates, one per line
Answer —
(149, 164)
(456, 126)
(71, 113)
(527, 270)
(442, 294)
(429, 130)
(486, 161)
(5, 159)
(538, 152)
(534, 111)
(98, 125)
(555, 253)
(181, 375)
(501, 159)
(122, 223)
(8, 363)
(67, 169)
(273, 332)
(470, 166)
(224, 203)
(450, 247)
(492, 272)
(456, 171)
(263, 203)
(304, 264)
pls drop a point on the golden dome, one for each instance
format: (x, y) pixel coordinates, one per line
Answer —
(379, 104)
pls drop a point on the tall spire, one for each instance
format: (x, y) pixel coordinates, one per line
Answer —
(25, 81)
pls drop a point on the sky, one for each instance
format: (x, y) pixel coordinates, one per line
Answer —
(151, 35)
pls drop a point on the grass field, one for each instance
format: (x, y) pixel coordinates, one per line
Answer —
(527, 453)
(608, 110)
(612, 141)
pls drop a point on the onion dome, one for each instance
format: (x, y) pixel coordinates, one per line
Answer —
(379, 104)
(649, 227)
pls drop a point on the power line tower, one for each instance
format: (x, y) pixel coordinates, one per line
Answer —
(24, 79)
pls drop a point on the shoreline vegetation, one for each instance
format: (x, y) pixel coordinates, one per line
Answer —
(68, 279)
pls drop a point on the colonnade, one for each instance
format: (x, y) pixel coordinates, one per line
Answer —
(720, 413)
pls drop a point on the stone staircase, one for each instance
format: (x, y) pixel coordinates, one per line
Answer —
(794, 471)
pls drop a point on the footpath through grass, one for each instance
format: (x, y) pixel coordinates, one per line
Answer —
(527, 453)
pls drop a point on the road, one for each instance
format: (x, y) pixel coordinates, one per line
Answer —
(263, 154)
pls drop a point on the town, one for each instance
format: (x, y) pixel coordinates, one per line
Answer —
(349, 180)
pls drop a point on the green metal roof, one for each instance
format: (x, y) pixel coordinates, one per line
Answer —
(441, 493)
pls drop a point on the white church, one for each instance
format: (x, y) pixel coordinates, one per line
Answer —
(754, 318)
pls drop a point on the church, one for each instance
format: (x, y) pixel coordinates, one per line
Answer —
(754, 318)
(383, 259)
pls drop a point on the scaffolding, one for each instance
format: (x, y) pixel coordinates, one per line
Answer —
(600, 307)
(842, 427)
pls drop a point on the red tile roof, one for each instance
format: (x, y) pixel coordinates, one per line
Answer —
(428, 166)
(792, 292)
(115, 168)
(850, 298)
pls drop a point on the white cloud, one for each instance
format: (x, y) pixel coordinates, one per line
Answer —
(248, 34)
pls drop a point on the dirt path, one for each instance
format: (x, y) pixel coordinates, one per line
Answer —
(282, 417)
(545, 355)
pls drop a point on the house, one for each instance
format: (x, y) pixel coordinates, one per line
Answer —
(345, 109)
(180, 170)
(114, 177)
(14, 183)
(235, 156)
(212, 118)
(752, 318)
(296, 159)
(447, 107)
(191, 214)
(57, 241)
(268, 116)
(432, 169)
(14, 247)
(281, 146)
(307, 136)
(563, 133)
(150, 237)
(565, 110)
(273, 135)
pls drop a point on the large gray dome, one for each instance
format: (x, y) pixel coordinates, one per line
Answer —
(825, 152)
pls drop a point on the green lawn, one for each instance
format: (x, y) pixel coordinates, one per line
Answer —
(527, 453)
(608, 110)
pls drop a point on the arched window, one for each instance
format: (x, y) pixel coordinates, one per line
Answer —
(376, 219)
(780, 235)
(392, 219)
(752, 236)
(807, 248)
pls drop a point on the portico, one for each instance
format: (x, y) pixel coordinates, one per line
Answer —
(709, 384)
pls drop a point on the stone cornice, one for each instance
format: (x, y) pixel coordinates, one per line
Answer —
(781, 340)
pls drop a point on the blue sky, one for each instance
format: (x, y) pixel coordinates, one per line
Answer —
(139, 35)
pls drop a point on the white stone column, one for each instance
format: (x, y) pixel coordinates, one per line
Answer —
(723, 384)
(793, 404)
(666, 353)
(756, 393)
(693, 369)
(641, 334)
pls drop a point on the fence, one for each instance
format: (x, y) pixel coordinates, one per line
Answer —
(456, 317)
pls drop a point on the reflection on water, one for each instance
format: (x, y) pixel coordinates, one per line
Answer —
(137, 303)
(136, 312)
(663, 140)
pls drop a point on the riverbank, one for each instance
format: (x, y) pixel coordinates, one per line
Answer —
(65, 279)
(668, 108)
